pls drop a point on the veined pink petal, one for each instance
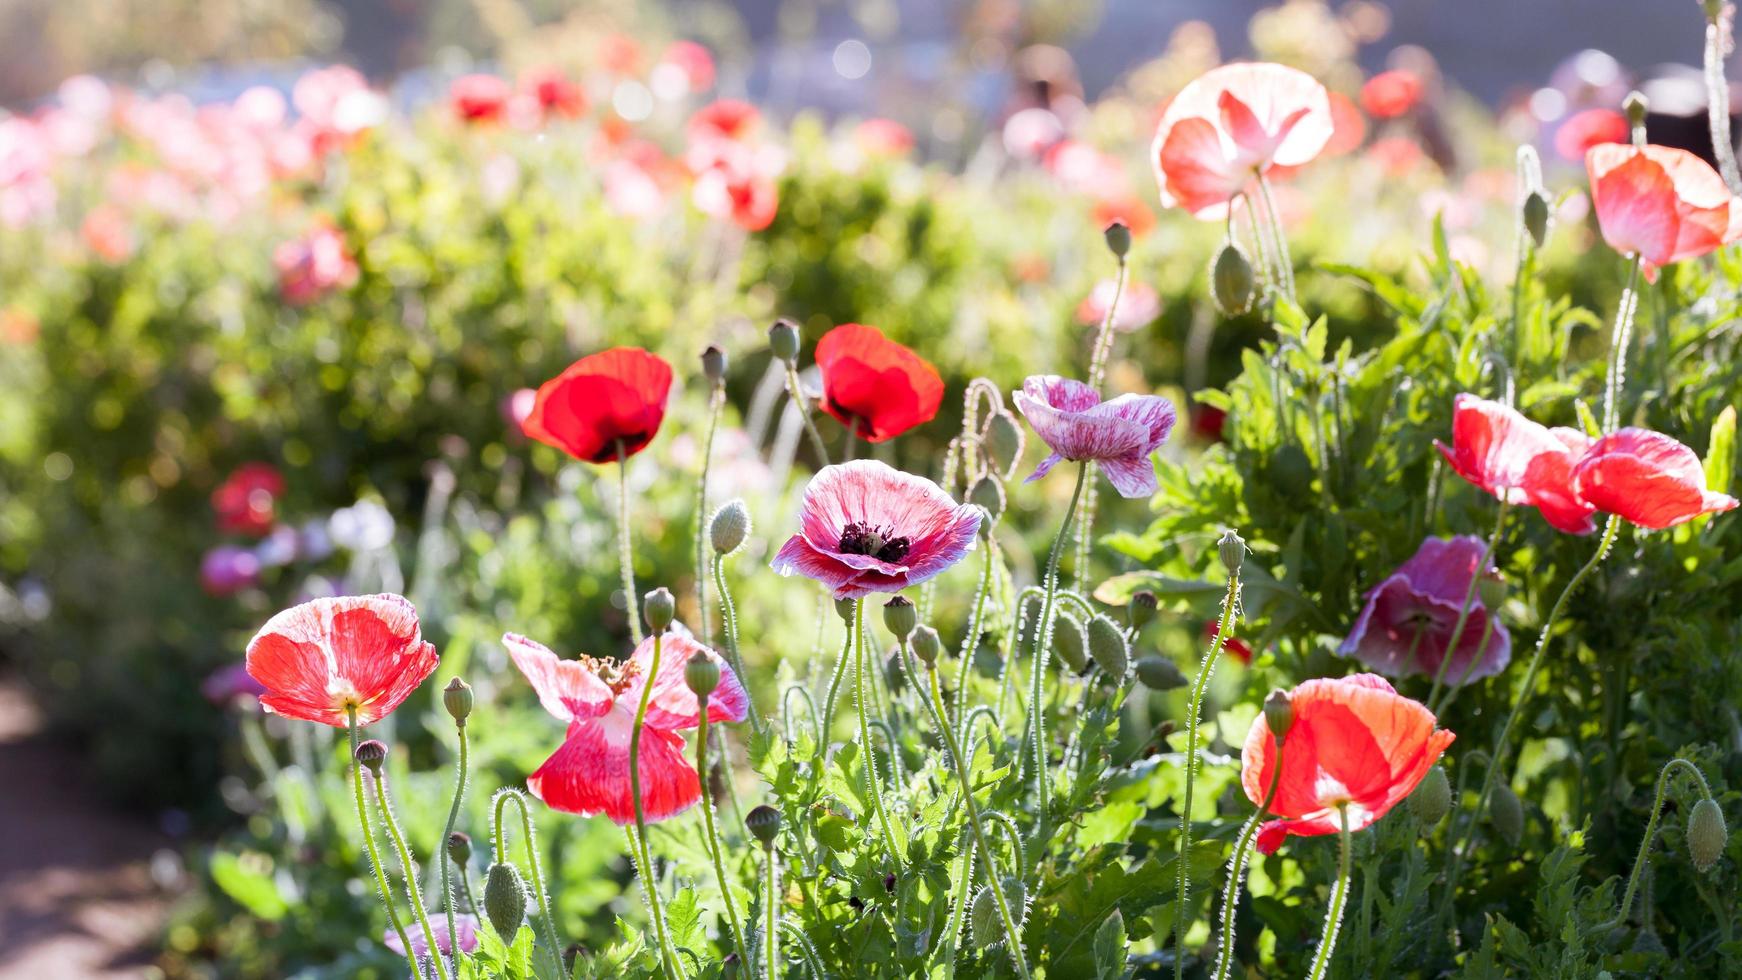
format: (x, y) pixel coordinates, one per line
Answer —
(568, 689)
(672, 705)
(589, 774)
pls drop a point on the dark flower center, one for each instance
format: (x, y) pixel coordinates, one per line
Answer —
(879, 543)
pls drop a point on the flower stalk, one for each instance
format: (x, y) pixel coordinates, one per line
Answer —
(625, 553)
(715, 851)
(716, 402)
(408, 865)
(649, 882)
(1464, 616)
(448, 833)
(1644, 856)
(1339, 898)
(374, 851)
(1237, 871)
(1042, 646)
(550, 936)
(873, 783)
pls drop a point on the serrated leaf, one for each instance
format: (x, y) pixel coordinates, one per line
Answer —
(1110, 948)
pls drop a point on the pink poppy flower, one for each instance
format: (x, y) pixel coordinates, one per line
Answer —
(314, 265)
(465, 926)
(479, 98)
(328, 657)
(589, 774)
(1519, 461)
(1648, 478)
(1586, 129)
(1137, 308)
(1425, 595)
(883, 138)
(1232, 124)
(1659, 203)
(1076, 424)
(694, 61)
(865, 528)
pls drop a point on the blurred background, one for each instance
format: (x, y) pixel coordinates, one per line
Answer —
(262, 323)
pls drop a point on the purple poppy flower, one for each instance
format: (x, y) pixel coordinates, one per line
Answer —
(465, 926)
(229, 683)
(227, 570)
(1425, 595)
(1076, 424)
(865, 527)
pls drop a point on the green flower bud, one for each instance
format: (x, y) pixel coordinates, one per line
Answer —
(457, 698)
(1231, 548)
(763, 824)
(1143, 607)
(1278, 714)
(660, 608)
(899, 616)
(1069, 642)
(371, 754)
(783, 340)
(1432, 800)
(1635, 106)
(985, 925)
(1707, 834)
(988, 493)
(1108, 647)
(729, 527)
(1231, 280)
(460, 848)
(1118, 236)
(714, 364)
(1506, 814)
(1491, 588)
(1158, 673)
(1003, 441)
(1535, 214)
(926, 645)
(895, 672)
(844, 609)
(702, 675)
(504, 900)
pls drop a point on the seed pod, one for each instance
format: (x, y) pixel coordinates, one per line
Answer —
(1003, 441)
(763, 824)
(1535, 215)
(1491, 588)
(899, 616)
(1278, 714)
(926, 645)
(1158, 673)
(504, 900)
(988, 493)
(1432, 800)
(1069, 642)
(783, 340)
(1108, 647)
(1143, 607)
(985, 924)
(371, 754)
(1231, 280)
(1231, 548)
(1118, 236)
(460, 848)
(702, 675)
(729, 527)
(457, 698)
(714, 364)
(660, 608)
(1506, 814)
(1707, 834)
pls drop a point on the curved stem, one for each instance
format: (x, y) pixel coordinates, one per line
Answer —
(538, 890)
(409, 866)
(1237, 870)
(976, 624)
(716, 400)
(714, 849)
(1042, 646)
(1182, 922)
(375, 852)
(1644, 856)
(771, 914)
(649, 882)
(1619, 340)
(1103, 348)
(729, 639)
(1464, 613)
(1339, 896)
(829, 701)
(625, 555)
(1284, 263)
(795, 390)
(453, 818)
(873, 784)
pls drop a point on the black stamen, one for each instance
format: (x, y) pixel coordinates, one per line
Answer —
(861, 539)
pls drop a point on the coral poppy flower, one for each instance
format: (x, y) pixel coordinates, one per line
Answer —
(1648, 478)
(1424, 596)
(589, 774)
(1518, 461)
(1124, 208)
(1583, 130)
(1076, 424)
(865, 527)
(479, 98)
(604, 407)
(875, 386)
(246, 501)
(1355, 743)
(1232, 124)
(1659, 203)
(327, 657)
(557, 96)
(1390, 94)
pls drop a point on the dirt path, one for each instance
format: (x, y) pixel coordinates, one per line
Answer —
(76, 894)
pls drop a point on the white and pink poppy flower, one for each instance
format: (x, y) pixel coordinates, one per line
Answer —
(1077, 425)
(465, 927)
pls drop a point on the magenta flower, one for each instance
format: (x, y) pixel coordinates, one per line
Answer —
(865, 528)
(1071, 419)
(465, 927)
(1425, 595)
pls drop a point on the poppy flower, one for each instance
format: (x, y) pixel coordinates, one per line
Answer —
(875, 386)
(1586, 129)
(313, 265)
(748, 198)
(1390, 94)
(883, 138)
(1648, 478)
(1518, 461)
(693, 60)
(1355, 744)
(479, 98)
(465, 927)
(557, 96)
(327, 657)
(1138, 307)
(1425, 596)
(1230, 125)
(865, 527)
(1659, 203)
(246, 501)
(726, 119)
(1076, 424)
(604, 407)
(598, 698)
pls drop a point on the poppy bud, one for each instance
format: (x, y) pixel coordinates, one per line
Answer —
(894, 672)
(844, 609)
(1713, 8)
(504, 900)
(925, 645)
(1069, 642)
(660, 608)
(1707, 834)
(763, 824)
(783, 340)
(1432, 800)
(1536, 217)
(1506, 814)
(1278, 714)
(1231, 548)
(457, 698)
(702, 675)
(986, 925)
(1492, 590)
(1118, 235)
(371, 754)
(729, 527)
(1158, 673)
(988, 493)
(1107, 645)
(1003, 440)
(1636, 107)
(714, 364)
(899, 616)
(460, 848)
(1231, 280)
(1142, 611)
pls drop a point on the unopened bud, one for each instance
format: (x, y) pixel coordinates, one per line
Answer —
(1108, 647)
(660, 608)
(714, 364)
(1118, 235)
(1069, 642)
(702, 675)
(763, 824)
(1143, 607)
(1231, 280)
(1506, 814)
(504, 900)
(844, 608)
(1707, 834)
(783, 340)
(729, 527)
(1231, 548)
(1158, 673)
(899, 616)
(460, 848)
(1003, 440)
(1278, 714)
(988, 493)
(1432, 800)
(1491, 588)
(1535, 214)
(1714, 9)
(926, 645)
(457, 698)
(371, 754)
(1635, 106)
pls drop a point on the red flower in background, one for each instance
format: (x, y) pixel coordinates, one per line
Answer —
(328, 657)
(1518, 461)
(1659, 203)
(313, 265)
(727, 119)
(557, 96)
(875, 386)
(745, 197)
(1648, 478)
(1124, 208)
(1390, 94)
(1233, 647)
(620, 54)
(1586, 129)
(479, 98)
(589, 774)
(245, 502)
(604, 407)
(1355, 744)
(883, 138)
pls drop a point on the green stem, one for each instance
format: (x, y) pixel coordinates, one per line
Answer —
(1718, 103)
(1284, 263)
(795, 390)
(466, 889)
(729, 639)
(1339, 896)
(453, 818)
(714, 849)
(976, 624)
(1464, 612)
(873, 784)
(1644, 856)
(649, 882)
(716, 400)
(409, 866)
(538, 890)
(1042, 646)
(826, 729)
(771, 914)
(1182, 921)
(1237, 870)
(375, 852)
(625, 555)
(1619, 340)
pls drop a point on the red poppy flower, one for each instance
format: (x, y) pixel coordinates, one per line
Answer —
(1355, 744)
(727, 119)
(589, 774)
(1123, 208)
(1583, 130)
(479, 98)
(557, 96)
(1390, 94)
(1648, 478)
(327, 657)
(1518, 461)
(606, 406)
(1659, 203)
(874, 385)
(744, 195)
(246, 501)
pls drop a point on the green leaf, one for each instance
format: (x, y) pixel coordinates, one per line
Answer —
(248, 880)
(1721, 452)
(1110, 948)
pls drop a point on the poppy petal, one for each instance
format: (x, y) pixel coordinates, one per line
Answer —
(568, 689)
(589, 774)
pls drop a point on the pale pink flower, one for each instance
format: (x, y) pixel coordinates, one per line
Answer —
(1077, 425)
(1138, 307)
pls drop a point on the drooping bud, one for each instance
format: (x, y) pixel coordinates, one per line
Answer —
(702, 675)
(1108, 647)
(729, 527)
(763, 824)
(1707, 834)
(844, 608)
(1003, 441)
(714, 364)
(895, 672)
(985, 924)
(1432, 800)
(660, 608)
(783, 340)
(988, 493)
(926, 645)
(1118, 235)
(1278, 714)
(1231, 548)
(1069, 642)
(899, 616)
(1635, 106)
(457, 698)
(1231, 280)
(460, 848)
(1535, 214)
(1143, 607)
(371, 754)
(1158, 673)
(504, 900)
(1506, 814)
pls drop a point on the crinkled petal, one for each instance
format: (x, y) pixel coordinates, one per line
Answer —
(672, 704)
(589, 774)
(568, 689)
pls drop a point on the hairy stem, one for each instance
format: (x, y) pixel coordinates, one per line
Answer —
(1237, 871)
(453, 818)
(771, 914)
(1619, 341)
(795, 390)
(532, 863)
(1644, 856)
(1718, 101)
(1042, 646)
(873, 783)
(375, 852)
(716, 401)
(626, 554)
(729, 640)
(714, 849)
(408, 865)
(1182, 921)
(1339, 897)
(648, 880)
